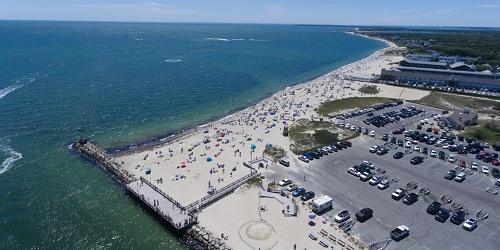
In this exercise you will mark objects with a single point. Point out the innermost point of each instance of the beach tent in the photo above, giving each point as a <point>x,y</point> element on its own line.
<point>147,170</point>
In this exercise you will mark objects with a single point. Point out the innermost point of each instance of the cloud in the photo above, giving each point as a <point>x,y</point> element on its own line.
<point>487,5</point>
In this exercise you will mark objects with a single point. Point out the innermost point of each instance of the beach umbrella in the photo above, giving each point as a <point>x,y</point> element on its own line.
<point>209,158</point>
<point>312,216</point>
<point>253,146</point>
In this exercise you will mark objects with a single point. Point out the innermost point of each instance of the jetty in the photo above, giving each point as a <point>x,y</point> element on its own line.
<point>180,217</point>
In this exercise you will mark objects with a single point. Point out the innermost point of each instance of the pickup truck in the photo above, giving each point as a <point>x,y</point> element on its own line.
<point>400,233</point>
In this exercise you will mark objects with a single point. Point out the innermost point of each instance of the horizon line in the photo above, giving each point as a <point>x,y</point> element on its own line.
<point>253,23</point>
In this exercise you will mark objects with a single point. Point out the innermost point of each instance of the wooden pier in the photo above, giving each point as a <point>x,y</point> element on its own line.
<point>178,216</point>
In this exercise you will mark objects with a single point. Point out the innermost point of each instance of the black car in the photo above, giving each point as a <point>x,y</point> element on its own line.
<point>417,160</point>
<point>450,174</point>
<point>410,198</point>
<point>364,214</point>
<point>425,151</point>
<point>442,215</point>
<point>433,208</point>
<point>442,155</point>
<point>382,151</point>
<point>398,155</point>
<point>458,217</point>
<point>307,196</point>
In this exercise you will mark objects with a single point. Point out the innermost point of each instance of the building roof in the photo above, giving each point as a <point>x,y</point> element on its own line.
<point>448,71</point>
<point>440,64</point>
<point>460,64</point>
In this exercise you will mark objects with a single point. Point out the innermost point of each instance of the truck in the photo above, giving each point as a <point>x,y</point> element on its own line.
<point>322,204</point>
<point>400,233</point>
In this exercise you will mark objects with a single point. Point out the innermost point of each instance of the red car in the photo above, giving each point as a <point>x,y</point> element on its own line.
<point>496,162</point>
<point>462,164</point>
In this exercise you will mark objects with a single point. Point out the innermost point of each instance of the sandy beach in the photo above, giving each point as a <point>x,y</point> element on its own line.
<point>212,156</point>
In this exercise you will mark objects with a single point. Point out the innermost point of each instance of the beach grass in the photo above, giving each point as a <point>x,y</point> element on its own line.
<point>451,101</point>
<point>308,135</point>
<point>276,153</point>
<point>486,130</point>
<point>331,107</point>
<point>369,89</point>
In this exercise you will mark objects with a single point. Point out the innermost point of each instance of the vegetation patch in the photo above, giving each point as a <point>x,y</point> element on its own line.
<point>450,102</point>
<point>309,135</point>
<point>335,106</point>
<point>369,89</point>
<point>486,130</point>
<point>274,152</point>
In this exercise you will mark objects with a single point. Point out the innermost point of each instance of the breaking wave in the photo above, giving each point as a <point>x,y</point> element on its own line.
<point>12,156</point>
<point>9,89</point>
<point>173,60</point>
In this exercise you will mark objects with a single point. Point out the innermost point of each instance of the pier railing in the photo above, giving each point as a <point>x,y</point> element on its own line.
<point>155,188</point>
<point>220,192</point>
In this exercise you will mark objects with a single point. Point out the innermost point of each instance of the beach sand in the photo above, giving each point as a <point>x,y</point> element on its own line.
<point>214,155</point>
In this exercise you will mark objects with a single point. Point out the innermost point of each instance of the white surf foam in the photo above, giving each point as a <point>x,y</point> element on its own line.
<point>9,89</point>
<point>217,39</point>
<point>173,60</point>
<point>12,156</point>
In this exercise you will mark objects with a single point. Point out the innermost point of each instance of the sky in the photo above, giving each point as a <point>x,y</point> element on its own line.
<point>471,13</point>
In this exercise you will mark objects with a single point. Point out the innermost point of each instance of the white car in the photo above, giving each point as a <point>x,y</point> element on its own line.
<point>452,159</point>
<point>433,153</point>
<point>408,144</point>
<point>474,166</point>
<point>398,193</point>
<point>446,146</point>
<point>383,184</point>
<point>373,149</point>
<point>372,133</point>
<point>285,182</point>
<point>416,148</point>
<point>485,170</point>
<point>354,172</point>
<point>470,224</point>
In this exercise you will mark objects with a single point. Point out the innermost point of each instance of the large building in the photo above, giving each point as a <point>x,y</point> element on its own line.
<point>443,77</point>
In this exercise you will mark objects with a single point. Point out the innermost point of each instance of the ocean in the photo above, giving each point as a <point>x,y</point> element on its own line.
<point>124,83</point>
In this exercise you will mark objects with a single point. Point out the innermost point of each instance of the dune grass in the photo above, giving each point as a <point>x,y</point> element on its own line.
<point>332,107</point>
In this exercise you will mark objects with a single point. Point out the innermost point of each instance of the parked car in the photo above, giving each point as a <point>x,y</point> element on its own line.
<point>364,214</point>
<point>365,176</point>
<point>291,188</point>
<point>410,198</point>
<point>442,215</point>
<point>458,217</point>
<point>374,180</point>
<point>400,233</point>
<point>452,159</point>
<point>298,192</point>
<point>284,163</point>
<point>383,184</point>
<point>342,216</point>
<point>285,182</point>
<point>307,196</point>
<point>485,170</point>
<point>398,194</point>
<point>450,174</point>
<point>433,153</point>
<point>470,224</point>
<point>398,155</point>
<point>417,160</point>
<point>354,171</point>
<point>433,208</point>
<point>460,177</point>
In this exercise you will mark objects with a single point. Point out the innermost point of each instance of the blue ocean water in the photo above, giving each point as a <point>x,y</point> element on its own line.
<point>122,83</point>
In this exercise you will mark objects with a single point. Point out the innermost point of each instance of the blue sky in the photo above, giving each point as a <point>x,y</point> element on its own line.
<point>362,12</point>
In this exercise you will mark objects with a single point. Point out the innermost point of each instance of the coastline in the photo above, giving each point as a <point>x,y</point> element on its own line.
<point>167,137</point>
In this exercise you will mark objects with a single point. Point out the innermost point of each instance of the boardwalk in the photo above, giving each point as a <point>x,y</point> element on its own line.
<point>165,206</point>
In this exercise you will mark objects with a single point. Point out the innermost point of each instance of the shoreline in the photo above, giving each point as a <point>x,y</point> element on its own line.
<point>165,138</point>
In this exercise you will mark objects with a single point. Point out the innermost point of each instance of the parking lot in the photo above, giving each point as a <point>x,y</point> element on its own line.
<point>328,175</point>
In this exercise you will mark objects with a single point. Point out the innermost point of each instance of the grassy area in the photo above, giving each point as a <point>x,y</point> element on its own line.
<point>369,89</point>
<point>335,106</point>
<point>308,135</point>
<point>450,102</point>
<point>486,130</point>
<point>481,43</point>
<point>275,153</point>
